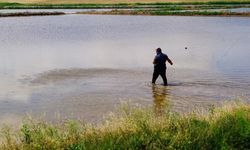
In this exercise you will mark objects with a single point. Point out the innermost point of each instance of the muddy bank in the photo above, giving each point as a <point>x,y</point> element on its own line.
<point>23,14</point>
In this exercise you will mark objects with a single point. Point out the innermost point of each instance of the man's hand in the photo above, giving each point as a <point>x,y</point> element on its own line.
<point>154,62</point>
<point>171,63</point>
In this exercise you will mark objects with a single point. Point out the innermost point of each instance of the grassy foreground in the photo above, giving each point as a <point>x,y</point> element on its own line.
<point>138,128</point>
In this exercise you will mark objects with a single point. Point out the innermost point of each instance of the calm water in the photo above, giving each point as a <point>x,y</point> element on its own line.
<point>82,66</point>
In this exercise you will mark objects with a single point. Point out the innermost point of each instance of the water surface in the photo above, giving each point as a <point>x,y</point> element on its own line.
<point>82,66</point>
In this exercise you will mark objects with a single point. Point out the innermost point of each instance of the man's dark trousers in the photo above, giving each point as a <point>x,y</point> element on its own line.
<point>162,73</point>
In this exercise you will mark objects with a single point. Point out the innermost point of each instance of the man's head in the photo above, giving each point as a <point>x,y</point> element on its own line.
<point>158,50</point>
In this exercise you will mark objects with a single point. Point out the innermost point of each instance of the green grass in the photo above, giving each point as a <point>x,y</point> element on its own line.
<point>200,13</point>
<point>168,12</point>
<point>140,128</point>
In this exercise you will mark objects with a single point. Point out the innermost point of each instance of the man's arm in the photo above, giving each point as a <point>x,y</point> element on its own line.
<point>169,61</point>
<point>154,61</point>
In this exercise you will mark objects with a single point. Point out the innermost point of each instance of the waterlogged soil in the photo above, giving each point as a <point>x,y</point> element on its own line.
<point>84,66</point>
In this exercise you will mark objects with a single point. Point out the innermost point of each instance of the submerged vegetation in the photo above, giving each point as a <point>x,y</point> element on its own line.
<point>139,128</point>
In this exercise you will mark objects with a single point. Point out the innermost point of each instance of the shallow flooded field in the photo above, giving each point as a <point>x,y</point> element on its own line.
<point>82,66</point>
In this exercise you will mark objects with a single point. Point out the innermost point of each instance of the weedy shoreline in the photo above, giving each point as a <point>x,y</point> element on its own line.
<point>226,127</point>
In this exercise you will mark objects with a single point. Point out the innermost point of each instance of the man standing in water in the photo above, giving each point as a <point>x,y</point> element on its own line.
<point>160,66</point>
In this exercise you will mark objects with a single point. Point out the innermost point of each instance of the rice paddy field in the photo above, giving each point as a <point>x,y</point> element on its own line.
<point>176,8</point>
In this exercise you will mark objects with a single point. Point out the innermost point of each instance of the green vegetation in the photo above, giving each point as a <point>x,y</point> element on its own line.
<point>114,1</point>
<point>176,8</point>
<point>201,13</point>
<point>140,128</point>
<point>168,13</point>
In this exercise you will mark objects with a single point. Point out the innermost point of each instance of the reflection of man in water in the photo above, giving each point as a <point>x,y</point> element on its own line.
<point>160,66</point>
<point>160,99</point>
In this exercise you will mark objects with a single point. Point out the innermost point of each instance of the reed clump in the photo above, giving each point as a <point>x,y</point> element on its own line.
<point>227,127</point>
